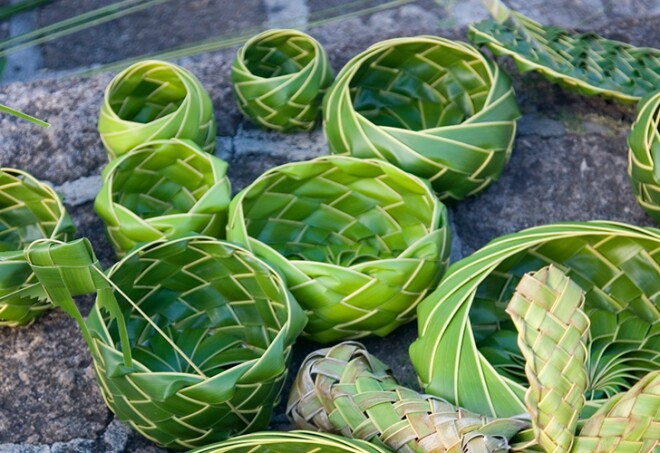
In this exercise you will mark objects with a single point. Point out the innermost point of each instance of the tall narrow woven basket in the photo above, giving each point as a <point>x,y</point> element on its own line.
<point>359,242</point>
<point>163,190</point>
<point>155,100</point>
<point>29,210</point>
<point>436,108</point>
<point>190,338</point>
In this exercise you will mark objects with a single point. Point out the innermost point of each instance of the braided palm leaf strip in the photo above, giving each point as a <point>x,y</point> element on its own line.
<point>190,338</point>
<point>163,190</point>
<point>467,352</point>
<point>547,311</point>
<point>360,242</point>
<point>29,210</point>
<point>155,100</point>
<point>436,108</point>
<point>582,62</point>
<point>644,155</point>
<point>279,78</point>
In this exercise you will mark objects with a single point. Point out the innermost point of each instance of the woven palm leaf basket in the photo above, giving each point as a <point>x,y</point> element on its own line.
<point>190,338</point>
<point>438,109</point>
<point>582,62</point>
<point>359,242</point>
<point>279,78</point>
<point>162,190</point>
<point>155,100</point>
<point>29,210</point>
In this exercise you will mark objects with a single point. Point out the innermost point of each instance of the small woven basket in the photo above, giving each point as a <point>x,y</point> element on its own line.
<point>190,338</point>
<point>163,190</point>
<point>155,100</point>
<point>29,210</point>
<point>438,109</point>
<point>279,78</point>
<point>360,242</point>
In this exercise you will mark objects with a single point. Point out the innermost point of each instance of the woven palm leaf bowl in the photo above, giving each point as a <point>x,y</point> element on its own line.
<point>581,62</point>
<point>162,190</point>
<point>155,100</point>
<point>190,338</point>
<point>279,78</point>
<point>437,108</point>
<point>359,242</point>
<point>29,211</point>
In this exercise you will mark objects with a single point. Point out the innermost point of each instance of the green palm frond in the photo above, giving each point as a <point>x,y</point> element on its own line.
<point>23,116</point>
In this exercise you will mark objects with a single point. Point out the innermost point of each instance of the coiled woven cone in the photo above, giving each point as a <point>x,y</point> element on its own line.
<point>279,78</point>
<point>155,100</point>
<point>190,338</point>
<point>436,108</point>
<point>345,390</point>
<point>644,155</point>
<point>359,242</point>
<point>582,62</point>
<point>163,190</point>
<point>29,210</point>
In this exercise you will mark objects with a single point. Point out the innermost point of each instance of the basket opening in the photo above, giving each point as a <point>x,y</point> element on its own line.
<point>279,55</point>
<point>421,85</point>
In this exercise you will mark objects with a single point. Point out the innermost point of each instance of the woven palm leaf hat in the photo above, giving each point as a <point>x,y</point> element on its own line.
<point>29,210</point>
<point>155,100</point>
<point>436,108</point>
<point>359,241</point>
<point>163,189</point>
<point>279,78</point>
<point>190,338</point>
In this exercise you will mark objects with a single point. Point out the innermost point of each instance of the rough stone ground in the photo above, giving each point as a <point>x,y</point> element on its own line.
<point>569,163</point>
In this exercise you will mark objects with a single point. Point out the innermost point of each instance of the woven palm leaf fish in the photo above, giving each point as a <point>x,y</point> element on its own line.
<point>279,78</point>
<point>360,242</point>
<point>155,100</point>
<point>29,210</point>
<point>190,338</point>
<point>582,62</point>
<point>436,108</point>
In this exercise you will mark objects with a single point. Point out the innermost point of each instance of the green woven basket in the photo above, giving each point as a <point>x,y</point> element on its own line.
<point>582,62</point>
<point>436,108</point>
<point>29,210</point>
<point>190,338</point>
<point>360,242</point>
<point>155,100</point>
<point>163,190</point>
<point>279,78</point>
<point>644,155</point>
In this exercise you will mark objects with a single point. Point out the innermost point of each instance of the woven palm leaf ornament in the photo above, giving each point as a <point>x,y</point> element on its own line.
<point>279,78</point>
<point>190,338</point>
<point>155,100</point>
<point>163,189</point>
<point>29,211</point>
<point>436,108</point>
<point>582,62</point>
<point>360,242</point>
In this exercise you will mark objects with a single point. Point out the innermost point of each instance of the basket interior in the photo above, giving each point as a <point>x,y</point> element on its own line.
<point>289,446</point>
<point>418,86</point>
<point>278,55</point>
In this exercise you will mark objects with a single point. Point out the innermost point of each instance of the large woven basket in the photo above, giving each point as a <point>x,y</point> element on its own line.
<point>359,242</point>
<point>163,190</point>
<point>279,78</point>
<point>29,210</point>
<point>436,108</point>
<point>155,100</point>
<point>190,338</point>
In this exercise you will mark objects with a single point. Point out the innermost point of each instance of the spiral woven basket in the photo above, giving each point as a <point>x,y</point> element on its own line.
<point>644,155</point>
<point>29,210</point>
<point>582,62</point>
<point>190,338</point>
<point>436,108</point>
<point>155,100</point>
<point>279,78</point>
<point>360,242</point>
<point>163,190</point>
